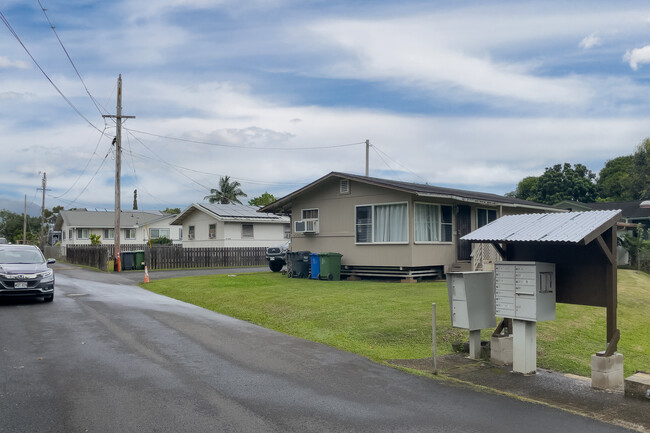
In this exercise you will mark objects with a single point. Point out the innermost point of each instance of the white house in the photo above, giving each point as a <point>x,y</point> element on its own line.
<point>136,226</point>
<point>230,225</point>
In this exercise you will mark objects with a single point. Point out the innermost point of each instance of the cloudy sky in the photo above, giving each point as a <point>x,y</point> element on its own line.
<point>277,93</point>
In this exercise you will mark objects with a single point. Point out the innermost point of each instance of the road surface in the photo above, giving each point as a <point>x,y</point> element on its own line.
<point>107,357</point>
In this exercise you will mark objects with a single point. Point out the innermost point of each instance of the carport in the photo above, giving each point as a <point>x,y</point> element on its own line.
<point>581,244</point>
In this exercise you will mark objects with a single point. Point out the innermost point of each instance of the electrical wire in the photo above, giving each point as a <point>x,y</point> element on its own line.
<point>377,150</point>
<point>187,140</point>
<point>94,101</point>
<point>15,35</point>
<point>93,177</point>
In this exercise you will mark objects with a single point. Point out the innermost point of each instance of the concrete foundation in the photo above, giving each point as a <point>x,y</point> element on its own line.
<point>501,350</point>
<point>638,386</point>
<point>607,371</point>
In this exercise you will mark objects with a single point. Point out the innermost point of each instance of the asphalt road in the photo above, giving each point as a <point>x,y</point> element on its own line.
<point>110,357</point>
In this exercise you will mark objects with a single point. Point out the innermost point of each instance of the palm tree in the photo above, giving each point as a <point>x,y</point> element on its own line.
<point>228,192</point>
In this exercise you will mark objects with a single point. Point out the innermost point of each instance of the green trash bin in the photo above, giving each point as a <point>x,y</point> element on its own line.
<point>139,260</point>
<point>330,266</point>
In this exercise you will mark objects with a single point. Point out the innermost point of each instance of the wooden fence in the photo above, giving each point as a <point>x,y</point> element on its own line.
<point>170,256</point>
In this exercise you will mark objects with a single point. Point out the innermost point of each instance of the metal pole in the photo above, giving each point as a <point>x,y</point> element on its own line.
<point>25,222</point>
<point>367,157</point>
<point>434,339</point>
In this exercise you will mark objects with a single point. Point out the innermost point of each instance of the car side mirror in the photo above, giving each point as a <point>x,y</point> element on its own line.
<point>50,261</point>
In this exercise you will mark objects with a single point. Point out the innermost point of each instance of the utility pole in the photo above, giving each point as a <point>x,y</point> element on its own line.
<point>367,157</point>
<point>25,222</point>
<point>118,168</point>
<point>41,237</point>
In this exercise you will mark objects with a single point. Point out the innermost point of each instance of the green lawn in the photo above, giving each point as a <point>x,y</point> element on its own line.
<point>384,321</point>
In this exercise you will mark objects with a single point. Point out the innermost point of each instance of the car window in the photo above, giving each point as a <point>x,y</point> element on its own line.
<point>21,256</point>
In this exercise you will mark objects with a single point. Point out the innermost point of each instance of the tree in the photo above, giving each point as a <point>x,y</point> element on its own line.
<point>172,210</point>
<point>262,200</point>
<point>558,183</point>
<point>95,239</point>
<point>228,192</point>
<point>641,171</point>
<point>615,180</point>
<point>11,226</point>
<point>135,199</point>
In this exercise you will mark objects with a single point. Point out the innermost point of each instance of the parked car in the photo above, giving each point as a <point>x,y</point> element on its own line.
<point>24,272</point>
<point>277,256</point>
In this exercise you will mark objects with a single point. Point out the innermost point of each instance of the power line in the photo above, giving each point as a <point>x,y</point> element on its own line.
<point>70,59</point>
<point>13,32</point>
<point>187,140</point>
<point>374,146</point>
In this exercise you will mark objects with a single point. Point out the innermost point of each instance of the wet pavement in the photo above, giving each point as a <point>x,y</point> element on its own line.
<point>563,391</point>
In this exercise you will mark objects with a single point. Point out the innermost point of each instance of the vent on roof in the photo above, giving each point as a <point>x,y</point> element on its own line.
<point>344,186</point>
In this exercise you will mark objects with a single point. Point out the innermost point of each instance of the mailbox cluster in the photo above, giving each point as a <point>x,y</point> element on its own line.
<point>525,290</point>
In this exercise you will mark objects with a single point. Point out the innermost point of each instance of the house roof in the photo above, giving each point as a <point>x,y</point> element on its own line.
<point>283,204</point>
<point>230,212</point>
<point>106,219</point>
<point>570,227</point>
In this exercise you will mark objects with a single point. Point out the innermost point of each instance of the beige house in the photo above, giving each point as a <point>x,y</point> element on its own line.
<point>230,225</point>
<point>384,227</point>
<point>136,226</point>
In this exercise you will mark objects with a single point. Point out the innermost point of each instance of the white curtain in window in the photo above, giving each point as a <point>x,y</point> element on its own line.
<point>390,223</point>
<point>427,221</point>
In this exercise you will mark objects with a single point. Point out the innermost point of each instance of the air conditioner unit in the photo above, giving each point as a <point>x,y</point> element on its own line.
<point>306,226</point>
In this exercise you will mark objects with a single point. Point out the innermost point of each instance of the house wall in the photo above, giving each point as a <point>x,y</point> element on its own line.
<point>337,226</point>
<point>175,232</point>
<point>229,234</point>
<point>139,236</point>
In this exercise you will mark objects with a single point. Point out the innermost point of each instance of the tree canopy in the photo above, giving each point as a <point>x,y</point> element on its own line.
<point>625,178</point>
<point>558,183</point>
<point>228,192</point>
<point>11,227</point>
<point>262,200</point>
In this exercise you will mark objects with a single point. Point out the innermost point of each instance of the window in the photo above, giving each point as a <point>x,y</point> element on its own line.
<point>385,223</point>
<point>129,234</point>
<point>63,234</point>
<point>247,231</point>
<point>190,233</point>
<point>109,233</point>
<point>212,231</point>
<point>70,234</point>
<point>433,223</point>
<point>158,233</point>
<point>485,216</point>
<point>310,214</point>
<point>83,234</point>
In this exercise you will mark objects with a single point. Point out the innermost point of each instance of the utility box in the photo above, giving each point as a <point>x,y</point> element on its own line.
<point>525,290</point>
<point>471,300</point>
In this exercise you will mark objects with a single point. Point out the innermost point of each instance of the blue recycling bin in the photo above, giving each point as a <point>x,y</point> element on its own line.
<point>315,266</point>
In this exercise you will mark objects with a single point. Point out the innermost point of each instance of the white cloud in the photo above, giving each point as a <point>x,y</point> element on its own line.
<point>7,63</point>
<point>589,41</point>
<point>413,53</point>
<point>637,56</point>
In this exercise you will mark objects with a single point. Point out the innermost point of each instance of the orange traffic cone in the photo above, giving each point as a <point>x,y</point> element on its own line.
<point>146,275</point>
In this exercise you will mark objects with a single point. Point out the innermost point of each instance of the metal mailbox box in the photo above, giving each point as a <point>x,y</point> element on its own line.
<point>525,290</point>
<point>471,300</point>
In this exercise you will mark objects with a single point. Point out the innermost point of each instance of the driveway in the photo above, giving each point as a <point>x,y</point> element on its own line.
<point>108,356</point>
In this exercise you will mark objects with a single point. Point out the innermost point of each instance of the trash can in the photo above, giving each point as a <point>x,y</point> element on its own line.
<point>315,265</point>
<point>330,266</point>
<point>139,260</point>
<point>298,264</point>
<point>128,260</point>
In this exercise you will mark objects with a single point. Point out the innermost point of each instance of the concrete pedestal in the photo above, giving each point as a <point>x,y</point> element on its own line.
<point>607,371</point>
<point>638,385</point>
<point>475,344</point>
<point>524,350</point>
<point>501,350</point>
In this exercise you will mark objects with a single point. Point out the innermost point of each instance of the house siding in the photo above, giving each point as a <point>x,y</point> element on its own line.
<point>337,226</point>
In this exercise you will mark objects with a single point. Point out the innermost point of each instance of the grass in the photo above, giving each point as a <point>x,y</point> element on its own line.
<point>384,321</point>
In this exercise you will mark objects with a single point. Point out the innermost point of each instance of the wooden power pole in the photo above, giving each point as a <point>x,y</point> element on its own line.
<point>42,233</point>
<point>118,168</point>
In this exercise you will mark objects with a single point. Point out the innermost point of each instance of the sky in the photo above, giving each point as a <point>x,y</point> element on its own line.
<point>277,93</point>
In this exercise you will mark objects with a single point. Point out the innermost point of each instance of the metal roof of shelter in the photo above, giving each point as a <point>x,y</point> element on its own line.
<point>571,227</point>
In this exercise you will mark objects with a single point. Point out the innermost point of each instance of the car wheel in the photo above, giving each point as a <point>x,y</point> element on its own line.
<point>275,266</point>
<point>49,298</point>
